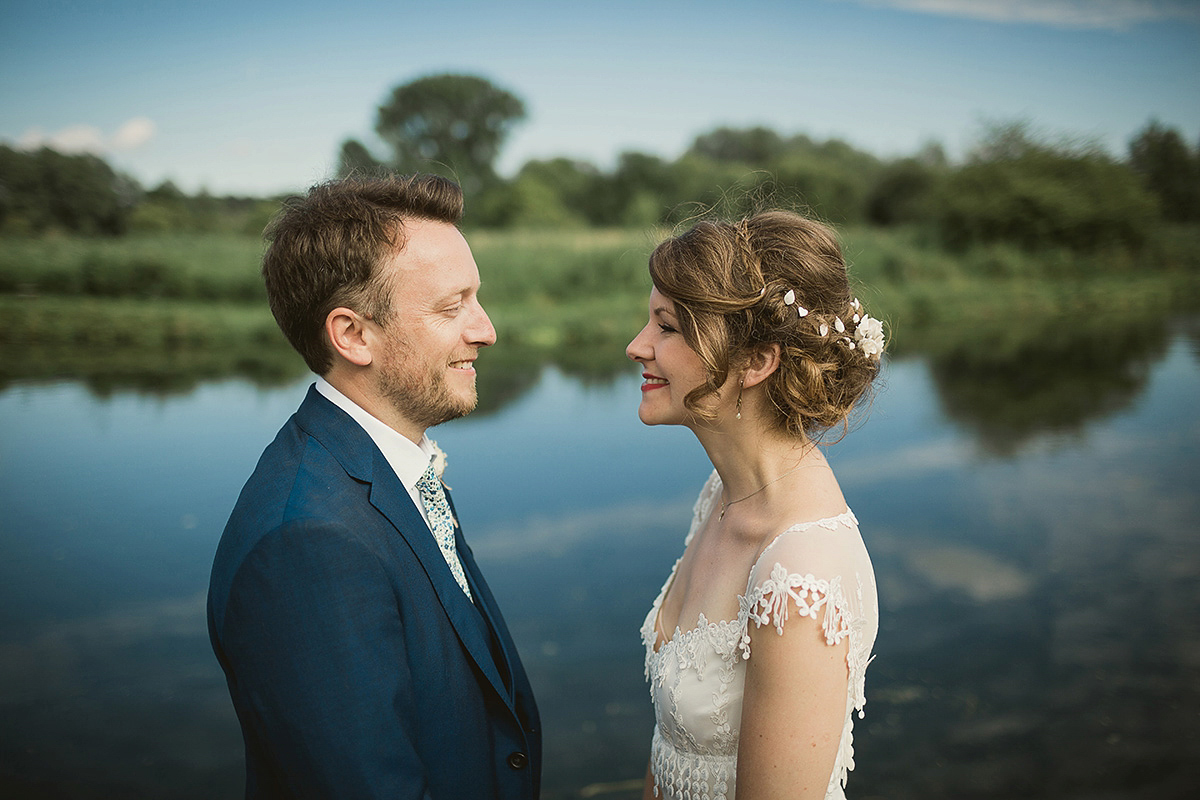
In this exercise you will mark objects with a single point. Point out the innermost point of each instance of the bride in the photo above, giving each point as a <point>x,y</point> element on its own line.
<point>758,644</point>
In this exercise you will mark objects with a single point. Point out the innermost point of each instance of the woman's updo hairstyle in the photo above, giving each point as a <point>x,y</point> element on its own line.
<point>775,277</point>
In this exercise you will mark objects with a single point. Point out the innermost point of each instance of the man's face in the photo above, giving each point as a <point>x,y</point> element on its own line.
<point>426,365</point>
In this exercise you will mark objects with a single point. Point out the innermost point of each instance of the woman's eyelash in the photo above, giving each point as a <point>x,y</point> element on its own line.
<point>665,328</point>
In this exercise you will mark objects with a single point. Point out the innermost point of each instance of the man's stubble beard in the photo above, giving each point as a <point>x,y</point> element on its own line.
<point>419,392</point>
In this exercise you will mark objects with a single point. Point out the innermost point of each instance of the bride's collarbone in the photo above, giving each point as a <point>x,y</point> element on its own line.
<point>709,580</point>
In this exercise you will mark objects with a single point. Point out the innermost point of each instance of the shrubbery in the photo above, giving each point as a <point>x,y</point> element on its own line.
<point>1036,195</point>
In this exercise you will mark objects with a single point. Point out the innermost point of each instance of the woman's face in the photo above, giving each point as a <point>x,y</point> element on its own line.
<point>670,367</point>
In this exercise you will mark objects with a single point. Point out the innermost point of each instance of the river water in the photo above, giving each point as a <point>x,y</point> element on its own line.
<point>1039,575</point>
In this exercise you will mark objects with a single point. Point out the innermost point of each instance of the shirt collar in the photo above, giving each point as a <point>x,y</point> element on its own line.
<point>408,460</point>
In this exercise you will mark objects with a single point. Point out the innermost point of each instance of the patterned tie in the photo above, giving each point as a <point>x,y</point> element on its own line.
<point>441,521</point>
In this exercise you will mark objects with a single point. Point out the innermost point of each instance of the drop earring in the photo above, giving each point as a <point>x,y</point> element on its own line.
<point>741,384</point>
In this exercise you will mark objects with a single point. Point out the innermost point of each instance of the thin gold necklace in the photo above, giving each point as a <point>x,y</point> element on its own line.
<point>725,506</point>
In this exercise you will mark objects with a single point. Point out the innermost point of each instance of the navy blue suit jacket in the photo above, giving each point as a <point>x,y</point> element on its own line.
<point>357,666</point>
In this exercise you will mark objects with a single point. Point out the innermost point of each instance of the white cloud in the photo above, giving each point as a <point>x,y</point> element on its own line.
<point>133,134</point>
<point>72,139</point>
<point>1107,14</point>
<point>90,139</point>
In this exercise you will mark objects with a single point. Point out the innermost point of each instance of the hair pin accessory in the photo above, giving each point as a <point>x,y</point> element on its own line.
<point>789,299</point>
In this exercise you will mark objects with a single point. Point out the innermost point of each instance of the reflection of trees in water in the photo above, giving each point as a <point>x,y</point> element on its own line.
<point>1192,331</point>
<point>1025,380</point>
<point>508,372</point>
<point>1007,387</point>
<point>155,371</point>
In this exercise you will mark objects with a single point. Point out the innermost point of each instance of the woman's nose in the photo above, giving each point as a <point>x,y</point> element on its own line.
<point>637,349</point>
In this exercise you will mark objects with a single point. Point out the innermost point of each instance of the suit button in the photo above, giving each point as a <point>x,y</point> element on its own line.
<point>518,760</point>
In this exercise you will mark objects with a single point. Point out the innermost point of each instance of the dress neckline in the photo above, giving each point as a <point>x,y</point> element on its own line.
<point>844,519</point>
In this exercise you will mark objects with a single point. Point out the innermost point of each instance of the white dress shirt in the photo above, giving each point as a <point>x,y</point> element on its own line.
<point>408,460</point>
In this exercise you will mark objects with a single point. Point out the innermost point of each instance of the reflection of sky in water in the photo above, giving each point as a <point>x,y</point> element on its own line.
<point>1000,577</point>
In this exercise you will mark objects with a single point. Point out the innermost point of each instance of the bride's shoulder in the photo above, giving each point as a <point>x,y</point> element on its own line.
<point>820,546</point>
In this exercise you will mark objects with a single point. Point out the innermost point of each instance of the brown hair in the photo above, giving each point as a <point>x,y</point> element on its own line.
<point>325,248</point>
<point>730,283</point>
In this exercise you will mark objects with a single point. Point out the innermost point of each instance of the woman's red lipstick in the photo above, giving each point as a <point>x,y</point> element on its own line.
<point>648,384</point>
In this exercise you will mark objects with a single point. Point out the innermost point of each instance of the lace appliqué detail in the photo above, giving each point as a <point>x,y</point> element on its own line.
<point>687,775</point>
<point>769,600</point>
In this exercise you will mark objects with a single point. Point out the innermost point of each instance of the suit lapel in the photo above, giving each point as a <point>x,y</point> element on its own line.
<point>488,609</point>
<point>363,461</point>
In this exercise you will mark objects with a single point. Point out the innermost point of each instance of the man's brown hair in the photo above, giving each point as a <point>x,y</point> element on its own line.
<point>325,248</point>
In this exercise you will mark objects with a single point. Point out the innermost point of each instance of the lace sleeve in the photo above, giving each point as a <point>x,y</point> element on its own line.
<point>805,571</point>
<point>768,603</point>
<point>784,583</point>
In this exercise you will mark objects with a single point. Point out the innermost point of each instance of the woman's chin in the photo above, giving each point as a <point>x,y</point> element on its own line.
<point>647,415</point>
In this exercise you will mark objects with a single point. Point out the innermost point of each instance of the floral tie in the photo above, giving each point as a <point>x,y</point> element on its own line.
<point>441,521</point>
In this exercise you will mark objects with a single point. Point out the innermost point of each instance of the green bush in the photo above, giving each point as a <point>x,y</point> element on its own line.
<point>1036,196</point>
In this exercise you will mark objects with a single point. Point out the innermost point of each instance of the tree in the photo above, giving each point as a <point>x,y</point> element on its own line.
<point>453,125</point>
<point>756,147</point>
<point>46,189</point>
<point>903,193</point>
<point>356,159</point>
<point>1169,169</point>
<point>1021,189</point>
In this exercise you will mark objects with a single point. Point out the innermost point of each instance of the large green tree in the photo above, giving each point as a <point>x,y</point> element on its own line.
<point>1169,169</point>
<point>43,189</point>
<point>453,125</point>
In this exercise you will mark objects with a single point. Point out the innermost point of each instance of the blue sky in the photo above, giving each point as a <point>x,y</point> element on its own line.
<point>256,97</point>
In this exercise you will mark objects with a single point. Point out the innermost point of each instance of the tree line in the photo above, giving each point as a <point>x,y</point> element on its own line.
<point>1014,186</point>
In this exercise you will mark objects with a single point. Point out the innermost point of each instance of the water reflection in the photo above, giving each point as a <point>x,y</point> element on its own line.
<point>1018,381</point>
<point>1037,631</point>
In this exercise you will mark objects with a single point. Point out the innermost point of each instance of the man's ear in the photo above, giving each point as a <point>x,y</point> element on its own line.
<point>348,335</point>
<point>761,363</point>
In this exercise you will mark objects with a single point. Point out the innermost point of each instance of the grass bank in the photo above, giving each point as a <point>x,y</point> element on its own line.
<point>173,304</point>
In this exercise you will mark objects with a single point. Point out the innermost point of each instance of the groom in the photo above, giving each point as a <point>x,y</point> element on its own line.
<point>364,652</point>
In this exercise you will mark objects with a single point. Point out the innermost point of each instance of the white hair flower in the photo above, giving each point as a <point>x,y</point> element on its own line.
<point>869,334</point>
<point>790,297</point>
<point>838,325</point>
<point>824,329</point>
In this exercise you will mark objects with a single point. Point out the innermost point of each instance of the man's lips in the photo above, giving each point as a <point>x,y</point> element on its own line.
<point>466,365</point>
<point>652,382</point>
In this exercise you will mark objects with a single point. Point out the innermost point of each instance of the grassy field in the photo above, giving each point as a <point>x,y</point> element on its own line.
<point>194,304</point>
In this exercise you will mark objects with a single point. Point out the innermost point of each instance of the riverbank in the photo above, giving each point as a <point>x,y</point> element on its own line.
<point>168,310</point>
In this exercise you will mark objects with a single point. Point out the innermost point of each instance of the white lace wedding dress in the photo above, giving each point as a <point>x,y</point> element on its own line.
<point>697,677</point>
